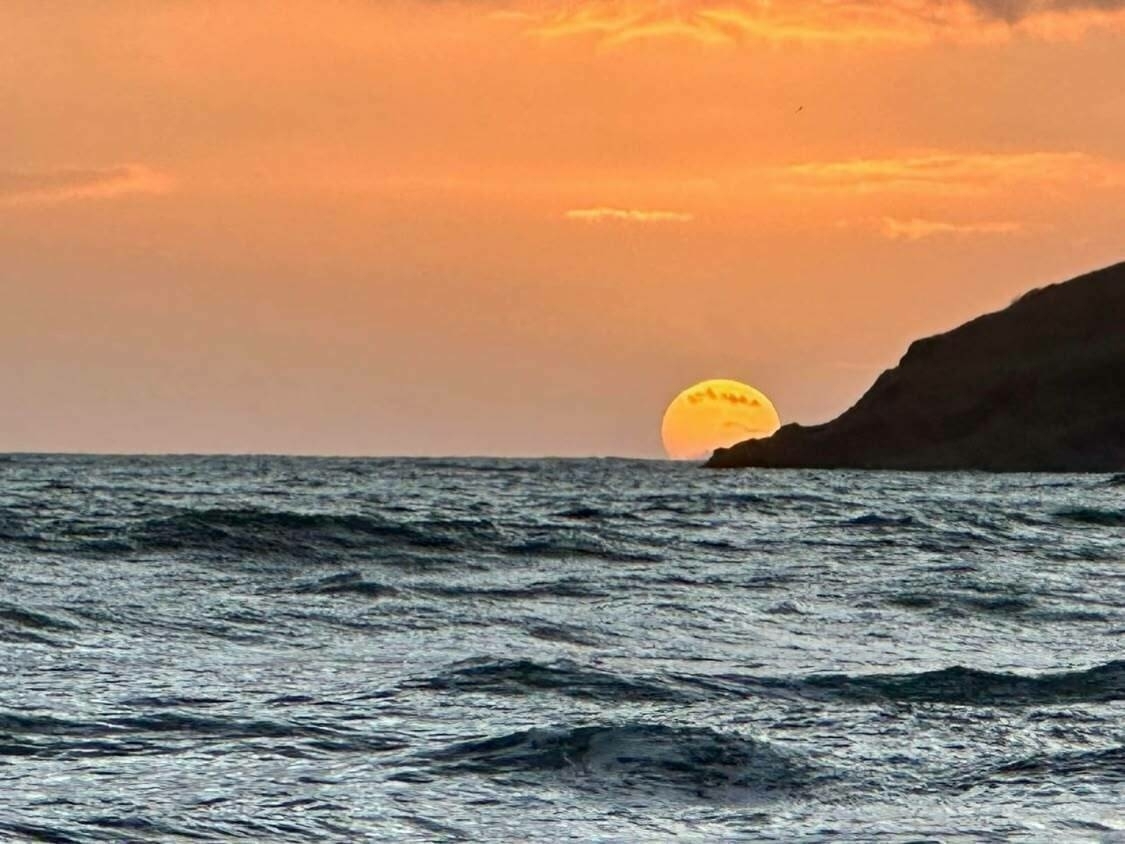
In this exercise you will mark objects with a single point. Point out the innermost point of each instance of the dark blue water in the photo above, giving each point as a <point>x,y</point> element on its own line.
<point>272,649</point>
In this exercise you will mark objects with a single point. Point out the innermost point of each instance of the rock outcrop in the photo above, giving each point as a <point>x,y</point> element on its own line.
<point>1036,387</point>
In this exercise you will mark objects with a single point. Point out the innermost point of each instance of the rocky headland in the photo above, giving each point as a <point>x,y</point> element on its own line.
<point>1036,387</point>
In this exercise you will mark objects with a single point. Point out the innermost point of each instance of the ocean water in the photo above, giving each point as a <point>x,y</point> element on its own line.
<point>275,649</point>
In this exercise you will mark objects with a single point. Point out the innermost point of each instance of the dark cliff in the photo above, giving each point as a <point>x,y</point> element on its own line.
<point>1039,386</point>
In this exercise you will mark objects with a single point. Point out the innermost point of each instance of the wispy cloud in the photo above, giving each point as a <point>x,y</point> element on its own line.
<point>1014,10</point>
<point>55,186</point>
<point>616,22</point>
<point>917,229</point>
<point>711,394</point>
<point>627,215</point>
<point>945,173</point>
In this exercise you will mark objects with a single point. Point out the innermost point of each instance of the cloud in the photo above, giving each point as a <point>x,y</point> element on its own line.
<point>739,398</point>
<point>707,21</point>
<point>917,229</point>
<point>731,398</point>
<point>55,186</point>
<point>749,430</point>
<point>1015,10</point>
<point>627,215</point>
<point>617,22</point>
<point>947,173</point>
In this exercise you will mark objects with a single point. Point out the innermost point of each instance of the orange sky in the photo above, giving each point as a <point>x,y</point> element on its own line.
<point>440,227</point>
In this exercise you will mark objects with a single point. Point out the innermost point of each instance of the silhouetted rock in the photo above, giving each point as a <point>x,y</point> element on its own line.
<point>1038,386</point>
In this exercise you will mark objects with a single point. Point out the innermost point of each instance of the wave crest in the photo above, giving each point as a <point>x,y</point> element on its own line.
<point>522,676</point>
<point>18,624</point>
<point>956,685</point>
<point>312,534</point>
<point>1092,516</point>
<point>1103,766</point>
<point>631,755</point>
<point>970,686</point>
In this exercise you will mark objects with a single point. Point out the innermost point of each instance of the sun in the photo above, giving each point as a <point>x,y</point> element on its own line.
<point>715,414</point>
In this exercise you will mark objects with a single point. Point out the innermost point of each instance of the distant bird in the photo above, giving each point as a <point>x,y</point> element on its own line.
<point>799,109</point>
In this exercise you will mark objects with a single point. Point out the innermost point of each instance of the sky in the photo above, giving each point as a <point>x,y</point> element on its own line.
<point>431,227</point>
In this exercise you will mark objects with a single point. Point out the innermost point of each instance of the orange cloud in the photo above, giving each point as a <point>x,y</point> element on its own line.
<point>705,21</point>
<point>47,187</point>
<point>615,22</point>
<point>944,173</point>
<point>627,215</point>
<point>917,229</point>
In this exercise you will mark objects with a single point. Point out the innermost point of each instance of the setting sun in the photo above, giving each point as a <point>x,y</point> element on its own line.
<point>715,414</point>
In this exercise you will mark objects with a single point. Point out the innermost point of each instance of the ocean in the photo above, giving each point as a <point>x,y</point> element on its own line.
<point>305,650</point>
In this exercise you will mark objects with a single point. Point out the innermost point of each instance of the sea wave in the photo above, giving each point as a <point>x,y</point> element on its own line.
<point>955,685</point>
<point>564,544</point>
<point>1102,765</point>
<point>633,755</point>
<point>877,520</point>
<point>1024,607</point>
<point>565,677</point>
<point>348,583</point>
<point>18,624</point>
<point>547,589</point>
<point>326,536</point>
<point>958,603</point>
<point>49,736</point>
<point>319,534</point>
<point>1092,516</point>
<point>12,527</point>
<point>970,686</point>
<point>571,634</point>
